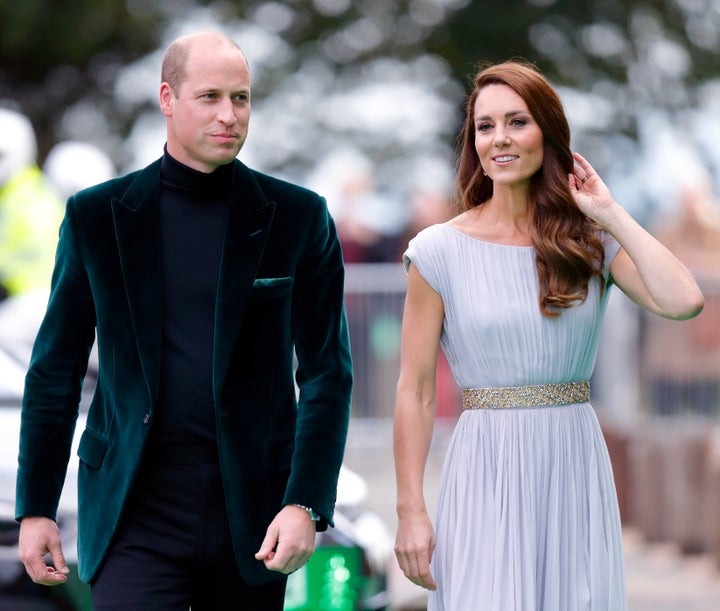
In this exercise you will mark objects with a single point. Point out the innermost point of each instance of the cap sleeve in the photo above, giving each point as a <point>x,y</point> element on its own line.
<point>611,246</point>
<point>424,253</point>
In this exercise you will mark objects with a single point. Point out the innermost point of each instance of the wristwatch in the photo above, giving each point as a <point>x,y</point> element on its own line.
<point>313,516</point>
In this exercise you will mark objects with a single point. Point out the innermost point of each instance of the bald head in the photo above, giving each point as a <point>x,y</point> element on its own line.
<point>174,65</point>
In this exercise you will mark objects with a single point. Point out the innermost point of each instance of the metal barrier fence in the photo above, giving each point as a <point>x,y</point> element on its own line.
<point>374,299</point>
<point>647,366</point>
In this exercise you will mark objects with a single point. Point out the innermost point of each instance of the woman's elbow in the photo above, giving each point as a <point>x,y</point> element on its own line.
<point>690,307</point>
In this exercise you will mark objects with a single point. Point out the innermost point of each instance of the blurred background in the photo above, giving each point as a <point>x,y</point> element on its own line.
<point>361,100</point>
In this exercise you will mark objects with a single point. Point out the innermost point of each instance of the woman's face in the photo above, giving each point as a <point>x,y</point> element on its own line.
<point>508,140</point>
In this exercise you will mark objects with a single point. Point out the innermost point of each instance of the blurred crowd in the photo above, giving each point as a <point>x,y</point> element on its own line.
<point>681,365</point>
<point>677,365</point>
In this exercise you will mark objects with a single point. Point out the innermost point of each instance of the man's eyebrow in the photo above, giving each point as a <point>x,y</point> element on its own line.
<point>216,89</point>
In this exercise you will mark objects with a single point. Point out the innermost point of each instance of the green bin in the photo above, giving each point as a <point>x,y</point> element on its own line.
<point>331,581</point>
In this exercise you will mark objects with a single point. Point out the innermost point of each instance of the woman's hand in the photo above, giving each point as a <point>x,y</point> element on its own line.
<point>643,268</point>
<point>589,191</point>
<point>414,546</point>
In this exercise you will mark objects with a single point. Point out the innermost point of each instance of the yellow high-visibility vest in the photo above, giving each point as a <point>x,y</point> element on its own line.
<point>30,215</point>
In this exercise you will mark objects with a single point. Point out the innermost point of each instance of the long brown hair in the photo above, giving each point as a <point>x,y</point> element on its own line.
<point>568,250</point>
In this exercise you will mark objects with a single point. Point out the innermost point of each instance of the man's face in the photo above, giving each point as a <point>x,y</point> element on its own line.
<point>208,114</point>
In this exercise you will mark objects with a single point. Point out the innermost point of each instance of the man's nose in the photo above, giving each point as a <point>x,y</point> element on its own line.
<point>226,112</point>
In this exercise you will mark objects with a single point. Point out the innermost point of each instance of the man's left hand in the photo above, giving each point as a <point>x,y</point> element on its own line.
<point>289,541</point>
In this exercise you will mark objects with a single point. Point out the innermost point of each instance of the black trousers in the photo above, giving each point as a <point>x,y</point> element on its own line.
<point>173,550</point>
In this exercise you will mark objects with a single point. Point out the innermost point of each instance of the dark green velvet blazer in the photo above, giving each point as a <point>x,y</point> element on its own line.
<point>280,296</point>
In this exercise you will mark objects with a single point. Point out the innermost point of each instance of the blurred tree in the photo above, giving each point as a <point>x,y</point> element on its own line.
<point>329,73</point>
<point>65,67</point>
<point>639,79</point>
<point>61,66</point>
<point>54,54</point>
<point>648,52</point>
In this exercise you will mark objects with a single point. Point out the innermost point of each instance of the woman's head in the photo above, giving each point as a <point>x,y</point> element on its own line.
<point>568,250</point>
<point>544,105</point>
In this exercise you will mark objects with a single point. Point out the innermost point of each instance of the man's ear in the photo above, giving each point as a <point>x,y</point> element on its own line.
<point>166,97</point>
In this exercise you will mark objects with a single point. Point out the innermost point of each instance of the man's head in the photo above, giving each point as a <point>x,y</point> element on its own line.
<point>205,97</point>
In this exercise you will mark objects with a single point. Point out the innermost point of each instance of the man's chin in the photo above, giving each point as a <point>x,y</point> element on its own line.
<point>224,158</point>
<point>227,155</point>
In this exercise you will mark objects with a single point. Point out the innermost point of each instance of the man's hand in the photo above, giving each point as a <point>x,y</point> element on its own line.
<point>289,541</point>
<point>38,537</point>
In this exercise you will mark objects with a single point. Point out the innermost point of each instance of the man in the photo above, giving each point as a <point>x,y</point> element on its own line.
<point>202,481</point>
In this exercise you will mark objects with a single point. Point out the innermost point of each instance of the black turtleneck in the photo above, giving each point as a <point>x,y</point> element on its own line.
<point>193,217</point>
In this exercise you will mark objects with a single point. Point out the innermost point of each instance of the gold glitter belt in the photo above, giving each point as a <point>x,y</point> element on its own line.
<point>564,393</point>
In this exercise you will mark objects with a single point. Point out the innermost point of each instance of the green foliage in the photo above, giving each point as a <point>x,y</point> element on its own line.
<point>577,42</point>
<point>53,54</point>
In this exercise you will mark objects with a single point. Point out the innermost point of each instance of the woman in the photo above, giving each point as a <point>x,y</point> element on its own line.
<point>514,289</point>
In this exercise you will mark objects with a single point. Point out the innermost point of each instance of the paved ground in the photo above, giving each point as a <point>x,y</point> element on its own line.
<point>659,577</point>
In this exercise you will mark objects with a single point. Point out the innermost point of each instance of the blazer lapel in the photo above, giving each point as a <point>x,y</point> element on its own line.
<point>249,219</point>
<point>137,230</point>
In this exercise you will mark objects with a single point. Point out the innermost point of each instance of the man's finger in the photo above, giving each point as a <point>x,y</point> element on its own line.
<point>287,564</point>
<point>268,546</point>
<point>45,575</point>
<point>53,577</point>
<point>58,559</point>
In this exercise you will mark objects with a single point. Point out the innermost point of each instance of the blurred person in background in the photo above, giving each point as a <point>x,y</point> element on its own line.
<point>681,362</point>
<point>514,289</point>
<point>72,165</point>
<point>30,210</point>
<point>371,223</point>
<point>202,479</point>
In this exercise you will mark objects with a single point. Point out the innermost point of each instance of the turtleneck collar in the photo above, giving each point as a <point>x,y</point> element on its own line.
<point>179,176</point>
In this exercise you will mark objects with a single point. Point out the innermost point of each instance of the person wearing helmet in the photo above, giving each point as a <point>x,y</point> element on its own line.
<point>30,210</point>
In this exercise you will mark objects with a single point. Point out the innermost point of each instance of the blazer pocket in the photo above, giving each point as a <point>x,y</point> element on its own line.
<point>268,282</point>
<point>92,449</point>
<point>270,288</point>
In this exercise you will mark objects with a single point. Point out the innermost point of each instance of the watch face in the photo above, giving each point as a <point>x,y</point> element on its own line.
<point>313,516</point>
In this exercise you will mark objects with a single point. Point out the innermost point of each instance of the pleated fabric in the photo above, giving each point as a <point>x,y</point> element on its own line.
<point>527,515</point>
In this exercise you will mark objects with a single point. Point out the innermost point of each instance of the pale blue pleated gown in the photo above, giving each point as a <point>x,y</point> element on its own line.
<point>527,515</point>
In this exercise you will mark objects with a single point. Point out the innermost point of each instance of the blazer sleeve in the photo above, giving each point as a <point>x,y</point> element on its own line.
<point>324,370</point>
<point>53,383</point>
